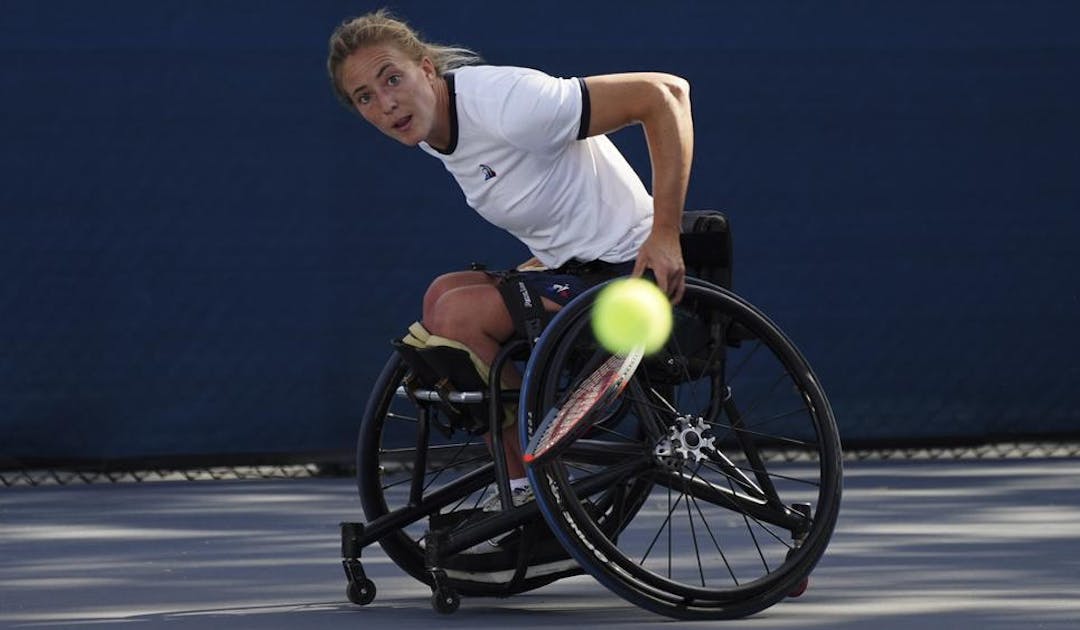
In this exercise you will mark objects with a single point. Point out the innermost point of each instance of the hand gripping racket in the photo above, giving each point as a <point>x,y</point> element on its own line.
<point>585,404</point>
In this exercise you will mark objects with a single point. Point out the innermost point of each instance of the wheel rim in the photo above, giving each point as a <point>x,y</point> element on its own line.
<point>730,560</point>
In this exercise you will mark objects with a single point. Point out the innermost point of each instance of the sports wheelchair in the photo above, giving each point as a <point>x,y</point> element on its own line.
<point>708,490</point>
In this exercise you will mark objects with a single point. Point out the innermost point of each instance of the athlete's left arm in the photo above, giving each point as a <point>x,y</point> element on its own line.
<point>661,104</point>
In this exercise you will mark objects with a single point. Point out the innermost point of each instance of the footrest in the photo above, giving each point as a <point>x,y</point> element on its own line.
<point>428,378</point>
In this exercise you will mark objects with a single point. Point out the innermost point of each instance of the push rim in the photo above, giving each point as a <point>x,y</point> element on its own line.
<point>732,587</point>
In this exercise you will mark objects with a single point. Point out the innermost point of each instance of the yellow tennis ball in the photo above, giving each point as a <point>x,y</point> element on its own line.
<point>629,312</point>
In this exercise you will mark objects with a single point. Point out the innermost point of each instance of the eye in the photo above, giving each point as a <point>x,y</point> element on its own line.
<point>393,80</point>
<point>363,99</point>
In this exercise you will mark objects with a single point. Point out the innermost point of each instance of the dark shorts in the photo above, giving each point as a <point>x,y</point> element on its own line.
<point>569,281</point>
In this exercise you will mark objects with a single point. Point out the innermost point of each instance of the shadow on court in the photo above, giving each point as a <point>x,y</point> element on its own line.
<point>920,544</point>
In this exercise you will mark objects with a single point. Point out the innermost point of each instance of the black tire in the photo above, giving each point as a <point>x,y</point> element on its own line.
<point>361,592</point>
<point>445,601</point>
<point>729,374</point>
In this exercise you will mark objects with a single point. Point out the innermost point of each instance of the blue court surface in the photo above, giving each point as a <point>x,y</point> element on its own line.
<point>921,543</point>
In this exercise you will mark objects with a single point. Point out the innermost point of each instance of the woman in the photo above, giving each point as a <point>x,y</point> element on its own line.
<point>530,154</point>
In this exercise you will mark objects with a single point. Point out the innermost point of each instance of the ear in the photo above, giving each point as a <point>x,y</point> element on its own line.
<point>428,68</point>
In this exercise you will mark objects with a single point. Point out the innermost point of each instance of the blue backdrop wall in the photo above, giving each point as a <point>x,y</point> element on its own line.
<point>202,253</point>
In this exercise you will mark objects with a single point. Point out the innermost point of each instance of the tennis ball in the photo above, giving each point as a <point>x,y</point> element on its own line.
<point>629,312</point>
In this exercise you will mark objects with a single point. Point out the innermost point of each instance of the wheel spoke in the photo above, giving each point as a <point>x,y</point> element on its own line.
<point>753,537</point>
<point>778,438</point>
<point>713,537</point>
<point>747,516</point>
<point>728,429</point>
<point>749,410</point>
<point>451,463</point>
<point>693,537</point>
<point>409,479</point>
<point>665,523</point>
<point>777,475</point>
<point>762,511</point>
<point>734,373</point>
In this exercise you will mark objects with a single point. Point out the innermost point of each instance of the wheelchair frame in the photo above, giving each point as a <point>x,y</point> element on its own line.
<point>581,527</point>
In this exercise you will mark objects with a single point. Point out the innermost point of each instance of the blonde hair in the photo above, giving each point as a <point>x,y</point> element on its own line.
<point>382,27</point>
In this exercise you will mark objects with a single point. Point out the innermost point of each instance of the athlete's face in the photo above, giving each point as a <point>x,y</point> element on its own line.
<point>393,92</point>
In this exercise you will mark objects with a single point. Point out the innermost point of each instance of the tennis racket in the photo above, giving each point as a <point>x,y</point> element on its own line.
<point>585,404</point>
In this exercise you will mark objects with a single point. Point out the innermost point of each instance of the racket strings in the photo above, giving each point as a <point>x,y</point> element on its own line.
<point>607,380</point>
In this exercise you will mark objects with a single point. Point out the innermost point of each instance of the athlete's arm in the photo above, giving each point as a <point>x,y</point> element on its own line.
<point>661,104</point>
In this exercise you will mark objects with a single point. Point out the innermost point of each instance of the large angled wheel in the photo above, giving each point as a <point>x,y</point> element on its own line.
<point>731,434</point>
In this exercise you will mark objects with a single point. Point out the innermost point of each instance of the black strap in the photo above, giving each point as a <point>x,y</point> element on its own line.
<point>525,306</point>
<point>526,309</point>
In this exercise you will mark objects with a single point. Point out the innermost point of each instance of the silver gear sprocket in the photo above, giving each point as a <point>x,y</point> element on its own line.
<point>685,441</point>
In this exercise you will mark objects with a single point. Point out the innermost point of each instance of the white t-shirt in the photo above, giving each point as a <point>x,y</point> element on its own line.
<point>517,153</point>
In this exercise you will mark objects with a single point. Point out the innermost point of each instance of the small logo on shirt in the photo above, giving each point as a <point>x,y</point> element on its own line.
<point>488,171</point>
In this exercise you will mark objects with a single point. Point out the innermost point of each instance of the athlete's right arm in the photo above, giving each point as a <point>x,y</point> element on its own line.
<point>661,103</point>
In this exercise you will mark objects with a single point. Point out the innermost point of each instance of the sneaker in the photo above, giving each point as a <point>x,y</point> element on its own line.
<point>520,496</point>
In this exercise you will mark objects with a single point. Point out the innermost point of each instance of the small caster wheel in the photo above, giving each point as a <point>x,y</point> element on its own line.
<point>361,592</point>
<point>445,600</point>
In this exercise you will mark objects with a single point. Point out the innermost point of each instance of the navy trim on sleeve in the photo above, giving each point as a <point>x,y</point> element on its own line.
<point>586,110</point>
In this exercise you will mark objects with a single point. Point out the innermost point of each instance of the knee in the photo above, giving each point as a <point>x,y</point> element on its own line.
<point>464,312</point>
<point>435,290</point>
<point>441,286</point>
<point>448,315</point>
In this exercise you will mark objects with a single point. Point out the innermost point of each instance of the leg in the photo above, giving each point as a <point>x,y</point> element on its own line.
<point>473,313</point>
<point>466,307</point>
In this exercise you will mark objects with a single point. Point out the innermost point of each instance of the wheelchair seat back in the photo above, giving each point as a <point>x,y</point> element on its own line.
<point>706,245</point>
<point>707,253</point>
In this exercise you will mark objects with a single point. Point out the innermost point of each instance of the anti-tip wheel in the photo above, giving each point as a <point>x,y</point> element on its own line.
<point>800,588</point>
<point>445,600</point>
<point>361,592</point>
